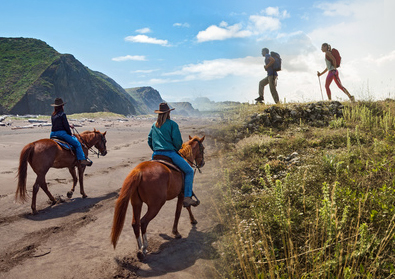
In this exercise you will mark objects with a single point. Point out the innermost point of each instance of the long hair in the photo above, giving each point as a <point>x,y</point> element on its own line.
<point>162,117</point>
<point>57,109</point>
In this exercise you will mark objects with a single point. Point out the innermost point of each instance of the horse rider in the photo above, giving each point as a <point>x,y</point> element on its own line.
<point>165,139</point>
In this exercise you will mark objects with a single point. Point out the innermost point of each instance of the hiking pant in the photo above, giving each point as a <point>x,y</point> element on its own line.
<point>183,165</point>
<point>72,140</point>
<point>271,80</point>
<point>333,75</point>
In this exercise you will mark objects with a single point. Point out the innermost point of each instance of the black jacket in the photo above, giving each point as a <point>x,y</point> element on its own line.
<point>59,122</point>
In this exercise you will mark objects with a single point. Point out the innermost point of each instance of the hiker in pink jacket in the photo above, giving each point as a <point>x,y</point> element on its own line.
<point>331,66</point>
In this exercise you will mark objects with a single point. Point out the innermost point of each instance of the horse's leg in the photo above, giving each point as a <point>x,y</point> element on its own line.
<point>191,217</point>
<point>137,205</point>
<point>151,213</point>
<point>81,170</point>
<point>36,187</point>
<point>44,186</point>
<point>177,216</point>
<point>75,180</point>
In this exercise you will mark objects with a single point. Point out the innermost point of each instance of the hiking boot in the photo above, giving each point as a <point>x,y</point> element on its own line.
<point>259,99</point>
<point>352,98</point>
<point>188,201</point>
<point>86,162</point>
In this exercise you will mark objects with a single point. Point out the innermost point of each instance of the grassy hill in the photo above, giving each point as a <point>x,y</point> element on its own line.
<point>303,201</point>
<point>33,74</point>
<point>22,62</point>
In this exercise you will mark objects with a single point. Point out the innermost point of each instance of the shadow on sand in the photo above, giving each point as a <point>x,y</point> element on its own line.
<point>176,255</point>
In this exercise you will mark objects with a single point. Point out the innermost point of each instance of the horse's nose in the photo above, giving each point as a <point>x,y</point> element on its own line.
<point>104,153</point>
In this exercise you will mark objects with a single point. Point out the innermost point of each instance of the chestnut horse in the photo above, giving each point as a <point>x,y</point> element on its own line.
<point>45,154</point>
<point>154,183</point>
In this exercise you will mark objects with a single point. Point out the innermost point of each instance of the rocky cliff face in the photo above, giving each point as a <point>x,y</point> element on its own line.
<point>147,98</point>
<point>83,90</point>
<point>61,76</point>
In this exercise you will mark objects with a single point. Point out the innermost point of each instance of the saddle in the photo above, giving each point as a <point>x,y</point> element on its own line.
<point>65,145</point>
<point>166,161</point>
<point>169,163</point>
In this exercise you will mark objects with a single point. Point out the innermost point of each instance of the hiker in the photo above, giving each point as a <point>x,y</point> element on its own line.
<point>61,129</point>
<point>165,139</point>
<point>271,78</point>
<point>331,66</point>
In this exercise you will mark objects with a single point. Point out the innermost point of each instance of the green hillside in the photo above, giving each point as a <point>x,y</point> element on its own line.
<point>306,197</point>
<point>22,62</point>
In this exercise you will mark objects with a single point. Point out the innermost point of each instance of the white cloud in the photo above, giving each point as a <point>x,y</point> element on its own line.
<point>147,40</point>
<point>261,24</point>
<point>129,57</point>
<point>222,32</point>
<point>257,24</point>
<point>144,71</point>
<point>220,68</point>
<point>144,30</point>
<point>185,24</point>
<point>336,8</point>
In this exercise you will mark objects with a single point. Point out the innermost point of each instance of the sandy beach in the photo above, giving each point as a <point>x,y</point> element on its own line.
<point>72,238</point>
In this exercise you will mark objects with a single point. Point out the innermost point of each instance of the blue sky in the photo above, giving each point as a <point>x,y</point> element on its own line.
<point>188,49</point>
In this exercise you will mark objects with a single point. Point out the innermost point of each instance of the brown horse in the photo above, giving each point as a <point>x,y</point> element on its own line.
<point>45,154</point>
<point>153,183</point>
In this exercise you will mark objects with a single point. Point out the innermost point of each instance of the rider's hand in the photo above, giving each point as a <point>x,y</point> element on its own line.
<point>72,126</point>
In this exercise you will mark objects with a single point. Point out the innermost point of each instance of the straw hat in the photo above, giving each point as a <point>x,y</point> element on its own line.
<point>58,102</point>
<point>163,108</point>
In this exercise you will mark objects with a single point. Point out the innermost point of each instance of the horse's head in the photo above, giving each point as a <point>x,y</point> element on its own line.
<point>197,150</point>
<point>100,142</point>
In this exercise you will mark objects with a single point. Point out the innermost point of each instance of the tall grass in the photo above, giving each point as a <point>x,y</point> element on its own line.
<point>331,216</point>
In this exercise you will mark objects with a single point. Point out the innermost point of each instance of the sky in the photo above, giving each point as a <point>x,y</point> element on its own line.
<point>187,49</point>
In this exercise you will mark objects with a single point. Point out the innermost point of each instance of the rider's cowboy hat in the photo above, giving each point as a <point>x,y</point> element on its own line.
<point>58,102</point>
<point>163,108</point>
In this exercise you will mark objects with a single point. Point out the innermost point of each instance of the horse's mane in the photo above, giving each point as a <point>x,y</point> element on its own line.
<point>186,148</point>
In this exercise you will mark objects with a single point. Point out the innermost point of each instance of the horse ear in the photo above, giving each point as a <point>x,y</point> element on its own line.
<point>202,139</point>
<point>94,130</point>
<point>104,133</point>
<point>190,137</point>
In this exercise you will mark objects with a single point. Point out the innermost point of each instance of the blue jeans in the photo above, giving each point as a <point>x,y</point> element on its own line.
<point>72,140</point>
<point>183,165</point>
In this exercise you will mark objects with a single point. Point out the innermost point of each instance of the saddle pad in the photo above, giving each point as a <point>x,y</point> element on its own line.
<point>63,144</point>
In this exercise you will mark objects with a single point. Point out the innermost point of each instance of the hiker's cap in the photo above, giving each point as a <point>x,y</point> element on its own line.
<point>163,108</point>
<point>58,102</point>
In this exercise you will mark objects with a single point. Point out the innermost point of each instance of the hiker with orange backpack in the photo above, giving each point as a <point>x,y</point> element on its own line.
<point>332,60</point>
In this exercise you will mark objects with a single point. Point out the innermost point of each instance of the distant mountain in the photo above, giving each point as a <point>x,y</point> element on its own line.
<point>184,108</point>
<point>33,74</point>
<point>147,98</point>
<point>205,104</point>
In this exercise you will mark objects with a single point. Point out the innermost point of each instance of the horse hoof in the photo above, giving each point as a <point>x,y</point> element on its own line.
<point>84,196</point>
<point>194,222</point>
<point>140,255</point>
<point>177,235</point>
<point>70,194</point>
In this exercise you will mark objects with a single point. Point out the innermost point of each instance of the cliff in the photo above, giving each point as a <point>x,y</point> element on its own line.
<point>33,74</point>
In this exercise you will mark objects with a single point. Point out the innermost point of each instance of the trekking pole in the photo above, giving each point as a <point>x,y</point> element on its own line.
<point>319,80</point>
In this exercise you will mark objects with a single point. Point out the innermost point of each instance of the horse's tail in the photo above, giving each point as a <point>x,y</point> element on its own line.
<point>21,193</point>
<point>128,188</point>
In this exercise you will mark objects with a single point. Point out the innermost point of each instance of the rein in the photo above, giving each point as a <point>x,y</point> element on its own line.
<point>83,142</point>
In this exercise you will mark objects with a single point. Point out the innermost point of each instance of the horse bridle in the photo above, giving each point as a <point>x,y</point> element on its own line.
<point>103,139</point>
<point>201,149</point>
